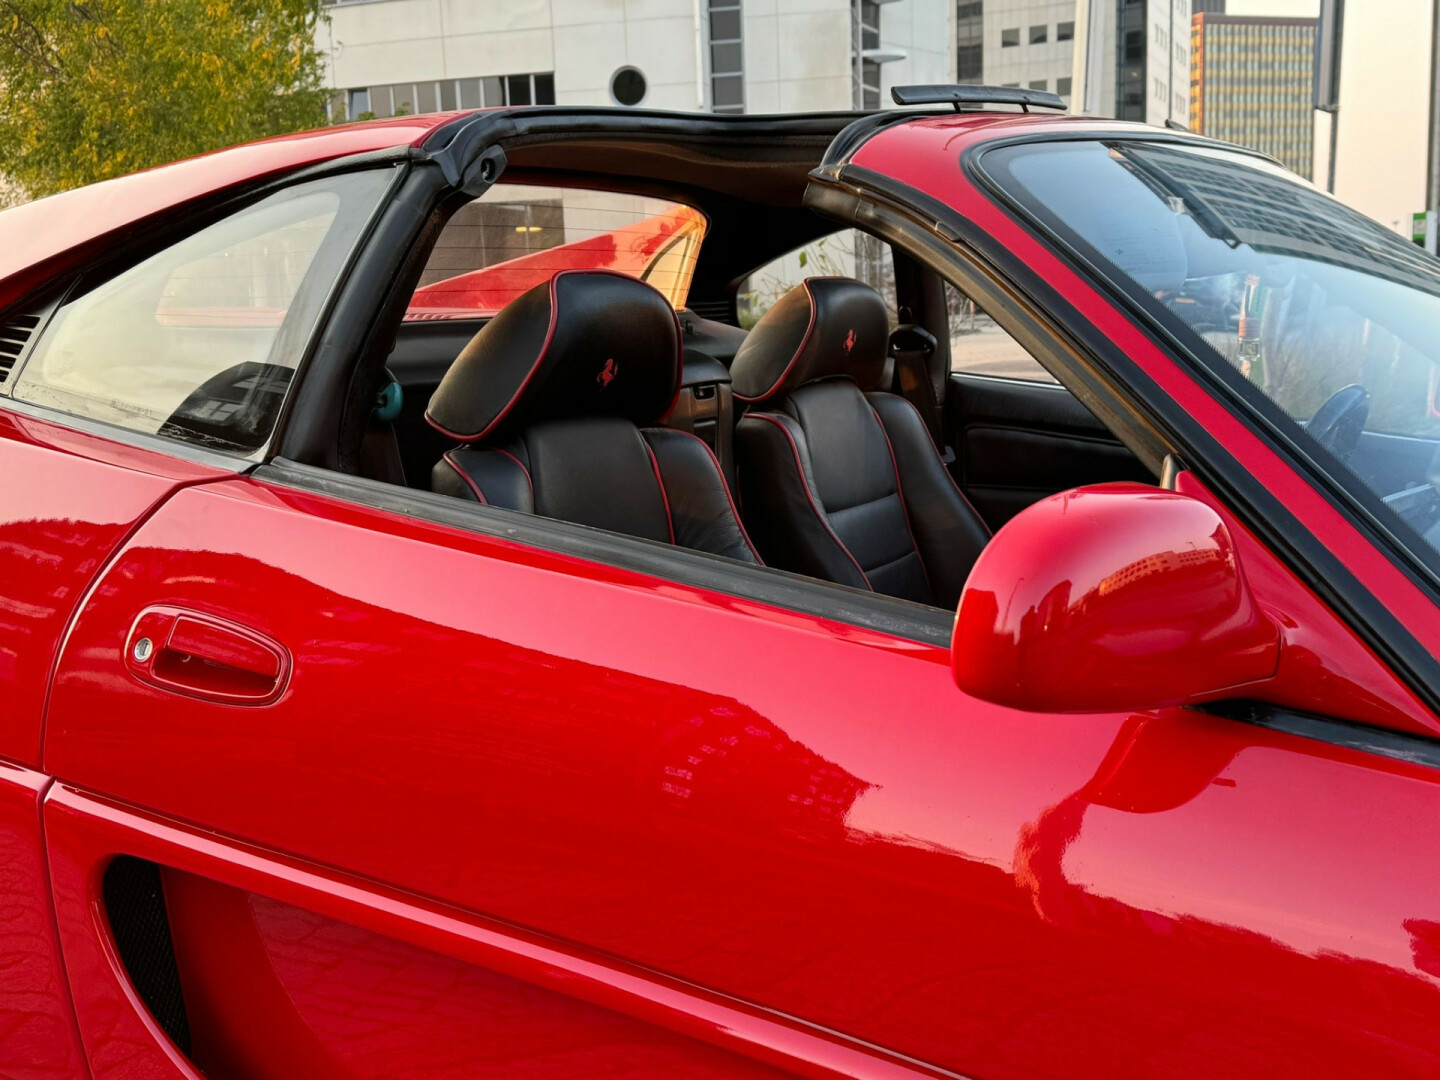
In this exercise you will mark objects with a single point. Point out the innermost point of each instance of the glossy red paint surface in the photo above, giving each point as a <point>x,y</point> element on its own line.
<point>66,501</point>
<point>275,991</point>
<point>1107,597</point>
<point>38,1038</point>
<point>800,815</point>
<point>35,237</point>
<point>926,155</point>
<point>86,832</point>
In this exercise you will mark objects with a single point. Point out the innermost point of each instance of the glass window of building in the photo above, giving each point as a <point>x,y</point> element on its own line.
<point>727,58</point>
<point>1010,38</point>
<point>970,42</point>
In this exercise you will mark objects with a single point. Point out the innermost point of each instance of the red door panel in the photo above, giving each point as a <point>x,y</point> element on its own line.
<point>67,499</point>
<point>38,1039</point>
<point>801,814</point>
<point>276,954</point>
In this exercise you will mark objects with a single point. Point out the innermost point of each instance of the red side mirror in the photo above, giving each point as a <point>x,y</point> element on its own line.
<point>1114,597</point>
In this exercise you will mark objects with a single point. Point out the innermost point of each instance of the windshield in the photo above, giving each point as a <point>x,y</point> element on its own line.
<point>1335,319</point>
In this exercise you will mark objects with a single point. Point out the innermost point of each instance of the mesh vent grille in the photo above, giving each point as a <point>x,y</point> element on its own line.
<point>135,906</point>
<point>14,333</point>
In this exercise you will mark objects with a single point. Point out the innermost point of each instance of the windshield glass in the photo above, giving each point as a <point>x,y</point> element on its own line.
<point>1334,318</point>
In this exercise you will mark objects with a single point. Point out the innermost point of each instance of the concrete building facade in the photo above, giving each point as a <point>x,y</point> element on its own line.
<point>1251,82</point>
<point>1132,55</point>
<point>753,56</point>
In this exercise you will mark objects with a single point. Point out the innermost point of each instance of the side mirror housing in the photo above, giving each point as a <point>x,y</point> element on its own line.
<point>1118,597</point>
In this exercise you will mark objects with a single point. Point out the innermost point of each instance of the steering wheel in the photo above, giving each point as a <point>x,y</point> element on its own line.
<point>1338,424</point>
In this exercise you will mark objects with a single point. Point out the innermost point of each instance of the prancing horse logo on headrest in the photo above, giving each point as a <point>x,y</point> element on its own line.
<point>607,373</point>
<point>850,341</point>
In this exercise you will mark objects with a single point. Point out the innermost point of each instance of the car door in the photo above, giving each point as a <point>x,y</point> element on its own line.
<point>510,809</point>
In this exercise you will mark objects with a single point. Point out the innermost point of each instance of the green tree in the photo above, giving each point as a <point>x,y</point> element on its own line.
<point>101,88</point>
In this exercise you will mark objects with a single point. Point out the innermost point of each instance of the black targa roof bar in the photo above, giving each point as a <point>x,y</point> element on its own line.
<point>960,96</point>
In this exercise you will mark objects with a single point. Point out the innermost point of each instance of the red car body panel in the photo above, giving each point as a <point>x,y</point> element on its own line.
<point>923,885</point>
<point>511,812</point>
<point>38,239</point>
<point>38,1036</point>
<point>68,500</point>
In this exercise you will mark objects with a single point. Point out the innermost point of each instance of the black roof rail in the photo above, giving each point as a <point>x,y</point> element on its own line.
<point>962,95</point>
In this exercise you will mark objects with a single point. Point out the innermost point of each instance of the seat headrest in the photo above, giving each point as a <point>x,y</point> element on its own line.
<point>821,328</point>
<point>585,343</point>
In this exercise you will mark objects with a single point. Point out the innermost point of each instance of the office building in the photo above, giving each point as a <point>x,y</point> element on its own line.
<point>1252,83</point>
<point>752,56</point>
<point>1025,43</point>
<point>1135,51</point>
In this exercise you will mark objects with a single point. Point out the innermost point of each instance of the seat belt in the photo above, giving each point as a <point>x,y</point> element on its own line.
<point>911,348</point>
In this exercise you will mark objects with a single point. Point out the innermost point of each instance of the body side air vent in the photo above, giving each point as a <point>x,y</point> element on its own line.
<point>15,334</point>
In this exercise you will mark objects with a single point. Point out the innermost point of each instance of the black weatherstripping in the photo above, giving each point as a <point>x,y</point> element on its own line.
<point>1412,749</point>
<point>884,614</point>
<point>135,908</point>
<point>1256,505</point>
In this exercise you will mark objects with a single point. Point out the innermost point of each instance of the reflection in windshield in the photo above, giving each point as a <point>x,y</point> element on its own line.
<point>1332,316</point>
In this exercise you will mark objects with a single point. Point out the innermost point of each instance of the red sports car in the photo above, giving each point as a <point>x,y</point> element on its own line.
<point>607,593</point>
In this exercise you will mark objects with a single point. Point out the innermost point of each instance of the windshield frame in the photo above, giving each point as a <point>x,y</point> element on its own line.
<point>1403,544</point>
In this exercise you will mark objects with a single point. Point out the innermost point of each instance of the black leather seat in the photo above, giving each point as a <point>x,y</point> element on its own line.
<point>547,402</point>
<point>837,481</point>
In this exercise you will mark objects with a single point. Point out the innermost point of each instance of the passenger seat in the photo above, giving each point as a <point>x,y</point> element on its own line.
<point>838,481</point>
<point>549,405</point>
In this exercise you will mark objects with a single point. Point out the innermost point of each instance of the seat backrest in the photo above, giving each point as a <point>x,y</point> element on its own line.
<point>839,481</point>
<point>548,403</point>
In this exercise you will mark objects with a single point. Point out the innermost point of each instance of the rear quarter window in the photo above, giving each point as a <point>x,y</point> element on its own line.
<point>199,342</point>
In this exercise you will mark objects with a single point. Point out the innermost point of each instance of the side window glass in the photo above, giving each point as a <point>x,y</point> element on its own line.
<point>200,341</point>
<point>848,253</point>
<point>979,347</point>
<point>516,236</point>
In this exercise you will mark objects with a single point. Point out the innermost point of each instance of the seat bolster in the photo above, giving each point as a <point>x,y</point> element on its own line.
<point>782,511</point>
<point>701,509</point>
<point>947,530</point>
<point>495,477</point>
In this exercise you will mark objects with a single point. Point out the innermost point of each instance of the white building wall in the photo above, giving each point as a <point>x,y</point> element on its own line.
<point>1167,62</point>
<point>925,31</point>
<point>1025,64</point>
<point>582,41</point>
<point>797,53</point>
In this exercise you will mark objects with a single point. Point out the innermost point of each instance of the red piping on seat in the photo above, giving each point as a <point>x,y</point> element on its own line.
<point>726,487</point>
<point>815,506</point>
<point>469,482</point>
<point>655,464</point>
<point>948,476</point>
<point>809,330</point>
<point>904,506</point>
<point>545,347</point>
<point>529,480</point>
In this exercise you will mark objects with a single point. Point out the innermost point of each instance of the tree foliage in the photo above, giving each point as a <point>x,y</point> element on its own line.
<point>99,88</point>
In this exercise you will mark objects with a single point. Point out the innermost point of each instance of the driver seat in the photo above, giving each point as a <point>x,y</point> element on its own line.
<point>839,481</point>
<point>549,403</point>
